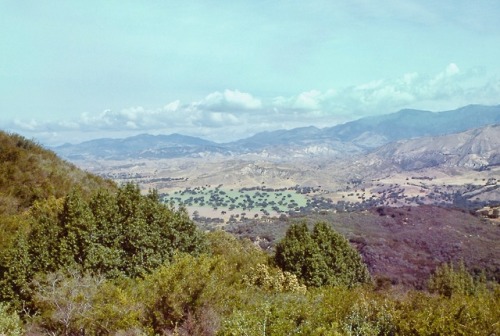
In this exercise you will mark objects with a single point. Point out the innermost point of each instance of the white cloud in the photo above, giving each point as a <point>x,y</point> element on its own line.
<point>229,100</point>
<point>225,115</point>
<point>173,106</point>
<point>242,99</point>
<point>310,100</point>
<point>28,125</point>
<point>218,119</point>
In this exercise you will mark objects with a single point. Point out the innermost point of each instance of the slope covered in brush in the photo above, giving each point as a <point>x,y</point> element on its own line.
<point>29,172</point>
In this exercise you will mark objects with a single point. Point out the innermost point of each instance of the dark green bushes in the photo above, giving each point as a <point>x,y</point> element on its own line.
<point>110,235</point>
<point>320,258</point>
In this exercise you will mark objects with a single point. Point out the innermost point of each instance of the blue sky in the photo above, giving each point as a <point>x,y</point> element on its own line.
<point>222,70</point>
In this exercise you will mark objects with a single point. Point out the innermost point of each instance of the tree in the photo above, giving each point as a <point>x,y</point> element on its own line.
<point>127,234</point>
<point>299,254</point>
<point>321,258</point>
<point>449,280</point>
<point>344,263</point>
<point>106,254</point>
<point>77,234</point>
<point>44,237</point>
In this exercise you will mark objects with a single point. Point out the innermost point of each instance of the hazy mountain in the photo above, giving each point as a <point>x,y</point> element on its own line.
<point>351,138</point>
<point>477,149</point>
<point>406,124</point>
<point>140,146</point>
<point>371,132</point>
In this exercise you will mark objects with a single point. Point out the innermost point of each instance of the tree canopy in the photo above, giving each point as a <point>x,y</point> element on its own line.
<point>110,235</point>
<point>320,258</point>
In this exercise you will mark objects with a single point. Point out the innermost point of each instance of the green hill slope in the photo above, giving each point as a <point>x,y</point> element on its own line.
<point>29,172</point>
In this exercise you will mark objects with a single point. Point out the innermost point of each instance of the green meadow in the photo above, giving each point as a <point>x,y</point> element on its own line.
<point>265,200</point>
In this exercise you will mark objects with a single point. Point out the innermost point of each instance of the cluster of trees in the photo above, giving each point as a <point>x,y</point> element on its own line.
<point>125,264</point>
<point>122,234</point>
<point>217,198</point>
<point>320,258</point>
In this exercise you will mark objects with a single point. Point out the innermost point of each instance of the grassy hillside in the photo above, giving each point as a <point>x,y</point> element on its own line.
<point>29,172</point>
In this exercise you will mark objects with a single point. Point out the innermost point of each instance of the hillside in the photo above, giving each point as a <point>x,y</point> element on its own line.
<point>125,263</point>
<point>402,244</point>
<point>460,167</point>
<point>143,145</point>
<point>476,149</point>
<point>29,172</point>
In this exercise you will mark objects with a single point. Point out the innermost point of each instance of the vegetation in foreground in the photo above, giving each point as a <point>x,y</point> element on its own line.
<point>126,264</point>
<point>234,290</point>
<point>111,261</point>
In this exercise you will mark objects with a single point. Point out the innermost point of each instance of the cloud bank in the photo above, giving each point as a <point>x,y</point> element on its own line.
<point>232,114</point>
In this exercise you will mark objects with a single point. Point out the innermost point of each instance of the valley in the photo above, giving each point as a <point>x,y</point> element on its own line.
<point>321,186</point>
<point>404,223</point>
<point>410,157</point>
<point>408,202</point>
<point>394,216</point>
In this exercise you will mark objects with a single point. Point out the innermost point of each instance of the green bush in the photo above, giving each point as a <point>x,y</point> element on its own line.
<point>448,280</point>
<point>320,258</point>
<point>10,323</point>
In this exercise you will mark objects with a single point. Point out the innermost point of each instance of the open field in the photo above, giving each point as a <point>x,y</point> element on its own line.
<point>232,204</point>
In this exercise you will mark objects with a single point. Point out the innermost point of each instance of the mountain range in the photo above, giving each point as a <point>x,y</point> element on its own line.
<point>355,137</point>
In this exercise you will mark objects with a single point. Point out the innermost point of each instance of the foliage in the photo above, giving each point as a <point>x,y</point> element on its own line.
<point>192,293</point>
<point>233,290</point>
<point>15,269</point>
<point>74,304</point>
<point>360,311</point>
<point>321,258</point>
<point>77,260</point>
<point>450,280</point>
<point>64,301</point>
<point>423,314</point>
<point>10,323</point>
<point>242,255</point>
<point>126,234</point>
<point>30,172</point>
<point>184,288</point>
<point>273,280</point>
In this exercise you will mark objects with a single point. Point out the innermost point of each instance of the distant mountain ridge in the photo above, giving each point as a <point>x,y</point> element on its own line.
<point>142,145</point>
<point>407,124</point>
<point>355,137</point>
<point>475,149</point>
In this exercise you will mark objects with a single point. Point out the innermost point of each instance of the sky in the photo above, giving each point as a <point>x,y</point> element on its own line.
<point>223,70</point>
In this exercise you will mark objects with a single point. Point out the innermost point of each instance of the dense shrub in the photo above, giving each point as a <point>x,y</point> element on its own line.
<point>320,258</point>
<point>110,235</point>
